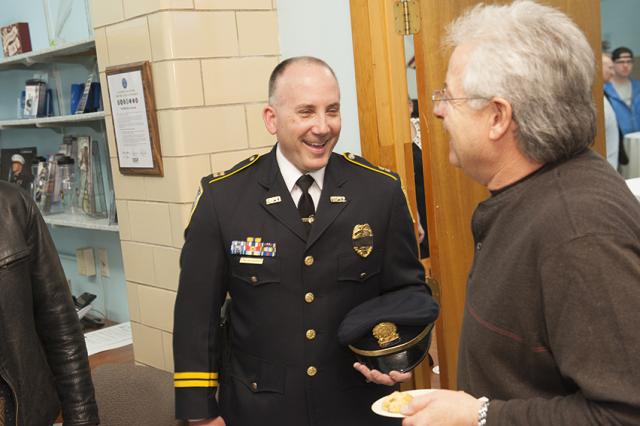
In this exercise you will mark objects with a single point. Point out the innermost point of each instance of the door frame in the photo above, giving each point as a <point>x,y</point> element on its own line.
<point>450,195</point>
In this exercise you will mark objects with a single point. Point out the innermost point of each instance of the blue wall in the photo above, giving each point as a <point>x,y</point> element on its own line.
<point>111,291</point>
<point>620,23</point>
<point>304,36</point>
<point>32,11</point>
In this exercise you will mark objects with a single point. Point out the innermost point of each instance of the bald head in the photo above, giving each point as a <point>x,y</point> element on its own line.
<point>279,71</point>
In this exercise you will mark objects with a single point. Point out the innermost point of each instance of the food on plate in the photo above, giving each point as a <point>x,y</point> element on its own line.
<point>394,402</point>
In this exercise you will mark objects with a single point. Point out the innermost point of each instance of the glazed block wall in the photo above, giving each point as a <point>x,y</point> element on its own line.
<point>211,61</point>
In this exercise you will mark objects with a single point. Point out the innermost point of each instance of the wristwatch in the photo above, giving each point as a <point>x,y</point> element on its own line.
<point>482,412</point>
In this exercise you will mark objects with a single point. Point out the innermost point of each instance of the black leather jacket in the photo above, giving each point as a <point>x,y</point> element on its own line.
<point>43,358</point>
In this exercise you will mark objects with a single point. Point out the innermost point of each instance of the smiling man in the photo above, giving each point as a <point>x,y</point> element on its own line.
<point>298,238</point>
<point>551,310</point>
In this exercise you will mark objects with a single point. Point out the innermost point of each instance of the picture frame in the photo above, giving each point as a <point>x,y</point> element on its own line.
<point>135,122</point>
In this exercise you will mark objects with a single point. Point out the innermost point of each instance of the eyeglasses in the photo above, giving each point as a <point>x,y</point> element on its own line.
<point>441,96</point>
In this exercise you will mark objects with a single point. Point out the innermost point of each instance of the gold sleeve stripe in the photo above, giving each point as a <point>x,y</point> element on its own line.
<point>195,375</point>
<point>195,383</point>
<point>226,175</point>
<point>346,156</point>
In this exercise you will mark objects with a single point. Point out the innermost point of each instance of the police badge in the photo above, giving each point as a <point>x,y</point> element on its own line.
<point>362,239</point>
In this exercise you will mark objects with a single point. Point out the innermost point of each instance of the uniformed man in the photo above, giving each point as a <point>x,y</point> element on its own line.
<point>297,238</point>
<point>19,176</point>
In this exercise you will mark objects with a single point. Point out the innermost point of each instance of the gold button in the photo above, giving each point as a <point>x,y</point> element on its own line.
<point>311,334</point>
<point>312,371</point>
<point>308,260</point>
<point>253,279</point>
<point>254,386</point>
<point>363,275</point>
<point>309,297</point>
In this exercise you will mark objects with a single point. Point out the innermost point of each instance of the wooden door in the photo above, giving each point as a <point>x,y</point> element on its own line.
<point>450,195</point>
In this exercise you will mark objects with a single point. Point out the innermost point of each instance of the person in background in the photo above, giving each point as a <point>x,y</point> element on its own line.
<point>418,173</point>
<point>624,92</point>
<point>549,333</point>
<point>43,358</point>
<point>298,238</point>
<point>611,130</point>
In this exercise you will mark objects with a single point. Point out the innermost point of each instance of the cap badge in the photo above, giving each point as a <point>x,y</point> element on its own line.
<point>386,333</point>
<point>362,239</point>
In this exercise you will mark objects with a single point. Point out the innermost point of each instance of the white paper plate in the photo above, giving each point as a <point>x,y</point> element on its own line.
<point>376,407</point>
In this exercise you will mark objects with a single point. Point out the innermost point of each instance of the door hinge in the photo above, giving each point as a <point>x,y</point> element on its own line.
<point>406,17</point>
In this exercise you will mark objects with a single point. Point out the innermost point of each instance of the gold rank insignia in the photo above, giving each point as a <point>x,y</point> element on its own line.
<point>362,239</point>
<point>386,333</point>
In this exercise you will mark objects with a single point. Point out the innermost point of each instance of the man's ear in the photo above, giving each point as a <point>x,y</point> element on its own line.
<point>501,118</point>
<point>270,119</point>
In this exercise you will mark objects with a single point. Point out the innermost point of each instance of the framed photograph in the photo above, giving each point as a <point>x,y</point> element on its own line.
<point>135,121</point>
<point>16,165</point>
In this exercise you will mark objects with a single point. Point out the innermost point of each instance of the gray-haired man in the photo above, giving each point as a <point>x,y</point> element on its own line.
<point>550,323</point>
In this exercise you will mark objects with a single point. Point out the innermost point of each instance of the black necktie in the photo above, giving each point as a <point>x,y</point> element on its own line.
<point>305,204</point>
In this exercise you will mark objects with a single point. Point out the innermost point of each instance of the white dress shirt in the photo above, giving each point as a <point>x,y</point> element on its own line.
<point>291,174</point>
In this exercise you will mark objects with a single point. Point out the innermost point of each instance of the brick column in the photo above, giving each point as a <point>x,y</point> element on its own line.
<point>211,61</point>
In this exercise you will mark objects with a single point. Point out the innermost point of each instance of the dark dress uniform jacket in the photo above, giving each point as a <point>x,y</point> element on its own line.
<point>286,366</point>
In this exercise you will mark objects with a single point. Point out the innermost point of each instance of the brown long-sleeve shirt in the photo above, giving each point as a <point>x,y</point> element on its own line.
<point>550,331</point>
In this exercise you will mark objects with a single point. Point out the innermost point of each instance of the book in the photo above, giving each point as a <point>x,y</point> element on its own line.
<point>82,103</point>
<point>15,38</point>
<point>35,99</point>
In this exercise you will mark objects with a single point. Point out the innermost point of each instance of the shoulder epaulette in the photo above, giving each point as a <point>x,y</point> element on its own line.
<point>235,169</point>
<point>359,161</point>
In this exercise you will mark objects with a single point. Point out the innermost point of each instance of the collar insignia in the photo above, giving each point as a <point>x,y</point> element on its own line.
<point>273,200</point>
